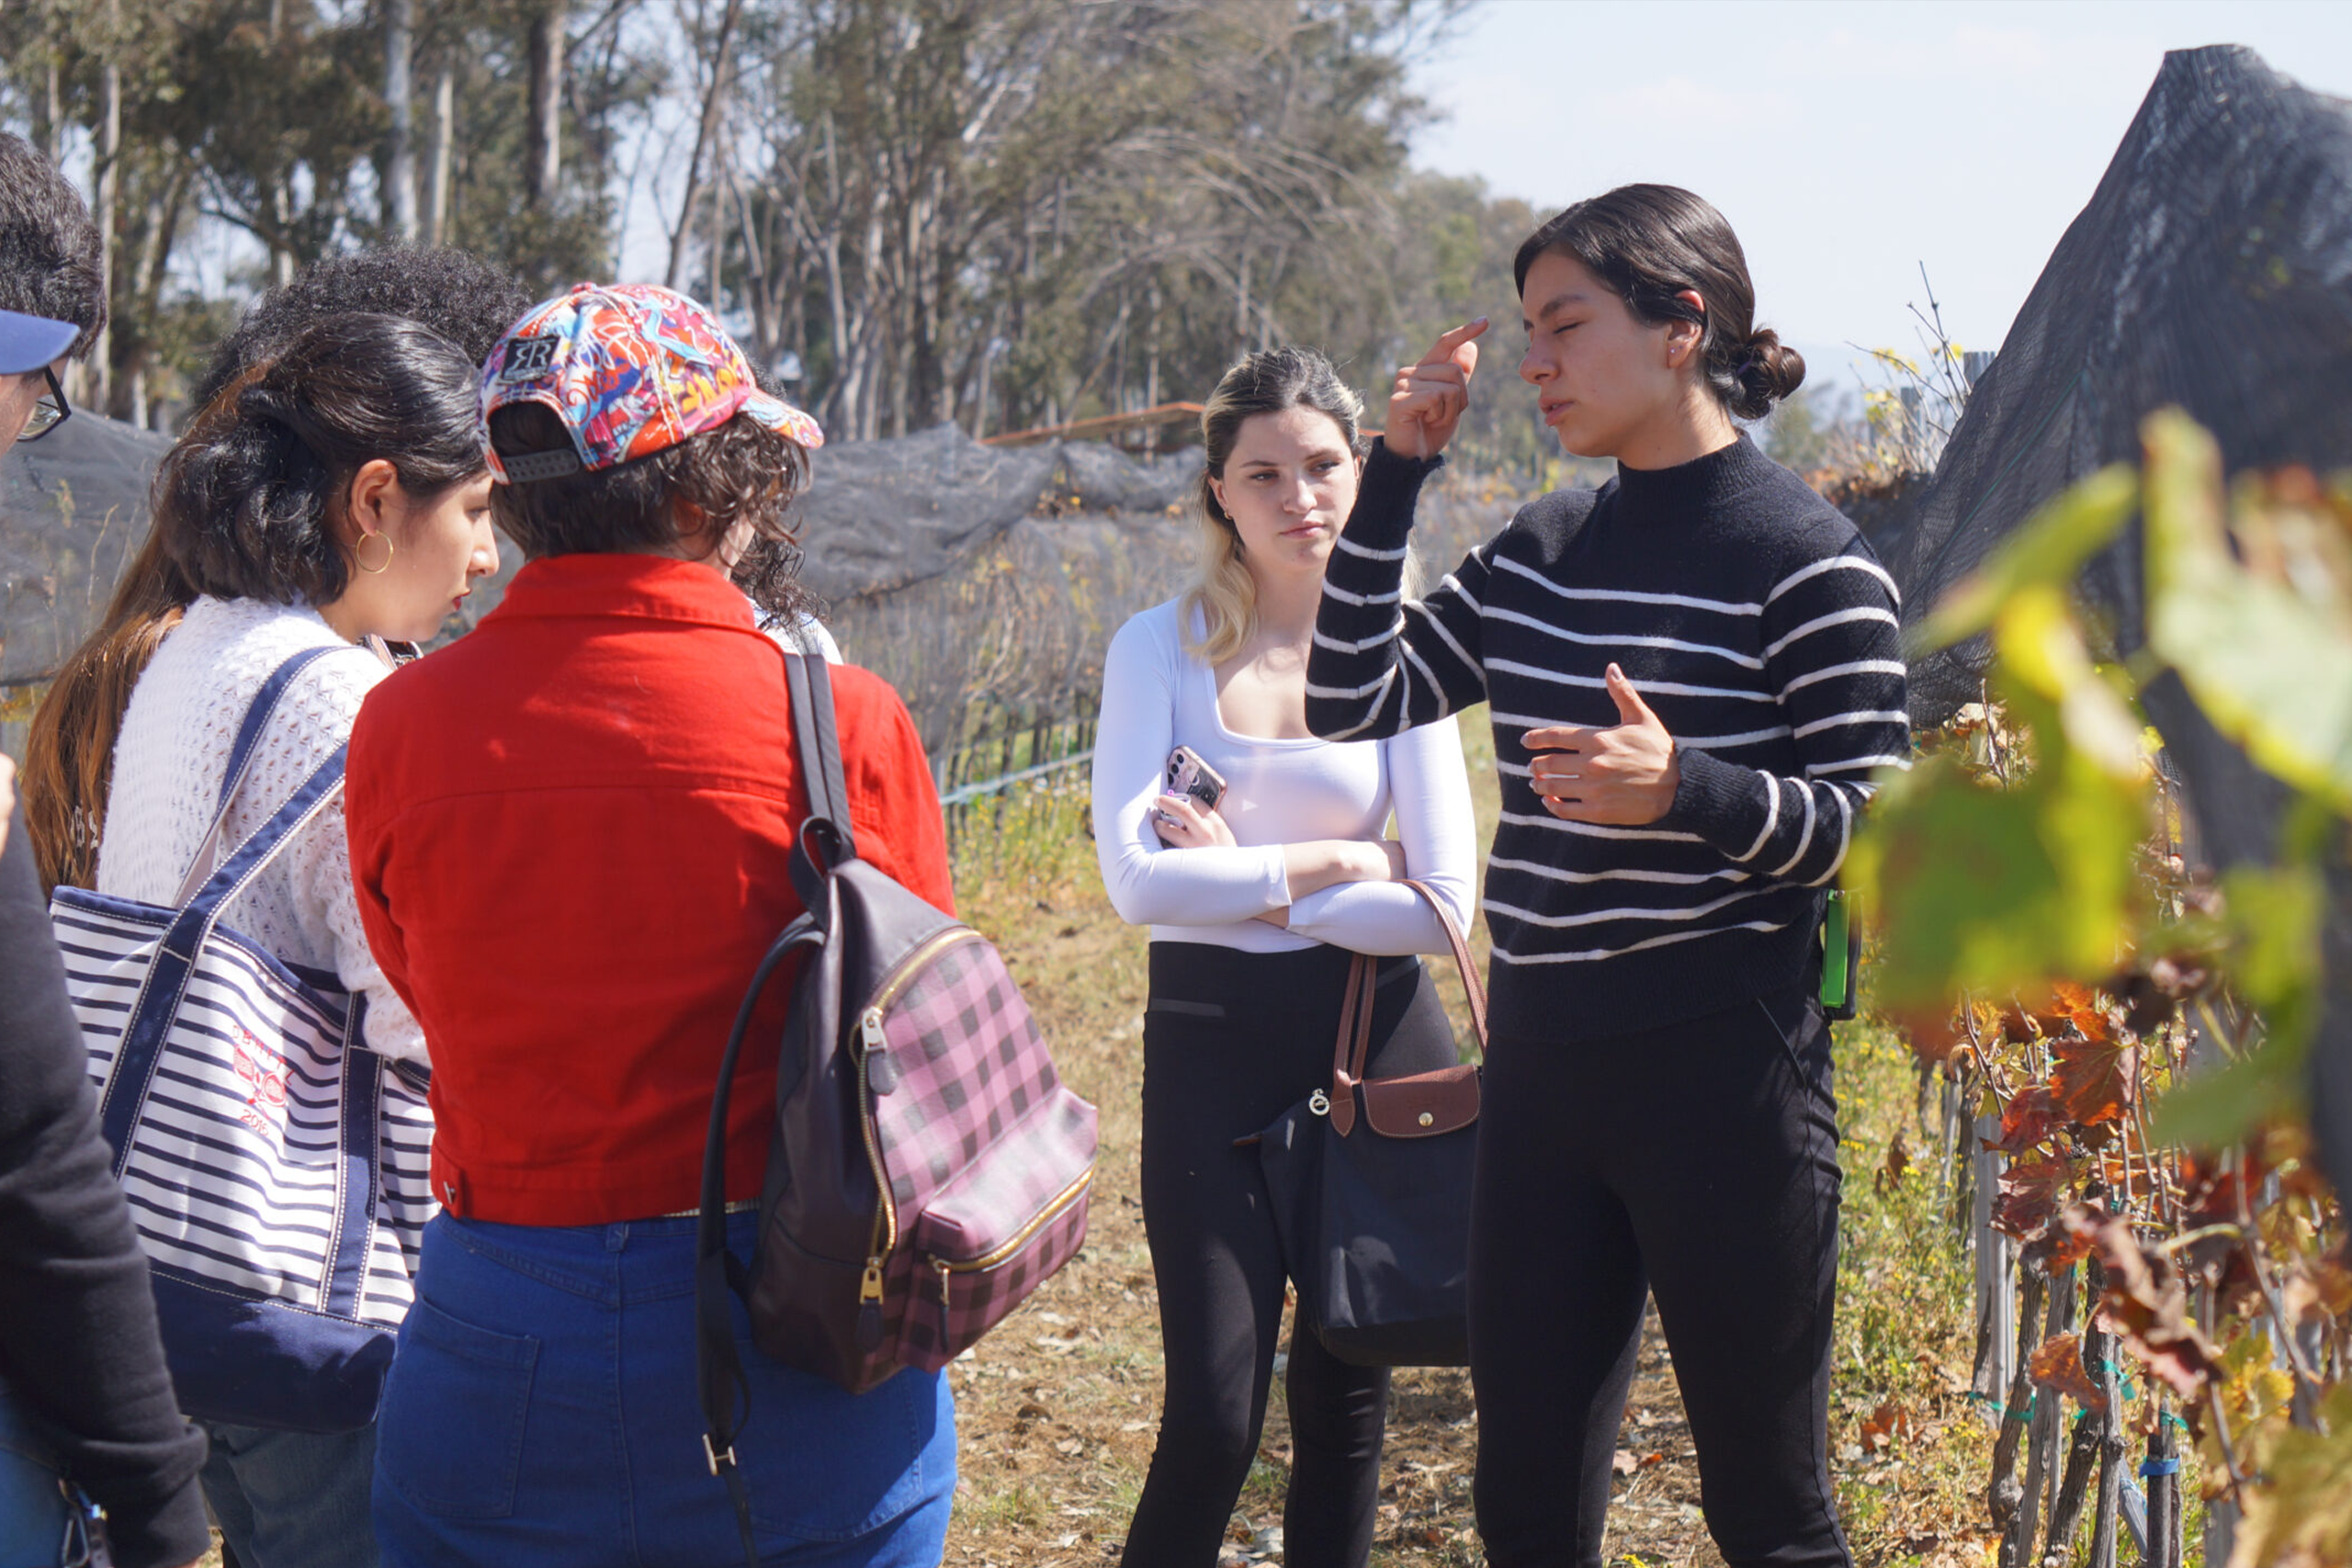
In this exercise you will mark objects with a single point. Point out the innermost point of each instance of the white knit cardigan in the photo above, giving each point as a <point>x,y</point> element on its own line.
<point>172,753</point>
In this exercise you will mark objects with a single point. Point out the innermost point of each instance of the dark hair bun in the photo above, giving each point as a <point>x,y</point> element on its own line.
<point>1766,371</point>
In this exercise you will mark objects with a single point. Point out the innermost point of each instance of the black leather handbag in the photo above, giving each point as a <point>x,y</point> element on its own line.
<point>1371,1188</point>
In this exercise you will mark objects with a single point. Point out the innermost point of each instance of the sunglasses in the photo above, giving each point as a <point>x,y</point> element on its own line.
<point>50,411</point>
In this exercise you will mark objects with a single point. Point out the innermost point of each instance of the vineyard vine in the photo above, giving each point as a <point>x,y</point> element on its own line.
<point>2131,1030</point>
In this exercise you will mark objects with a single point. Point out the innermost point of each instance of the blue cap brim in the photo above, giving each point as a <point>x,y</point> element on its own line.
<point>28,343</point>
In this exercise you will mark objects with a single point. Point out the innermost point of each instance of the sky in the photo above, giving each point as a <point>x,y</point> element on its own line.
<point>1847,143</point>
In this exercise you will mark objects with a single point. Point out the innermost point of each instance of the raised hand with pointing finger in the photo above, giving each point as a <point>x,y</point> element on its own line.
<point>1429,398</point>
<point>1623,775</point>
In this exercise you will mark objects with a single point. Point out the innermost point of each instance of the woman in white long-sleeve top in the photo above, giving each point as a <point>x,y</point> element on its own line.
<point>1256,906</point>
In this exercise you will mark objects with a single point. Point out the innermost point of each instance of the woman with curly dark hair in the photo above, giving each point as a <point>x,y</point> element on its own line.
<point>571,831</point>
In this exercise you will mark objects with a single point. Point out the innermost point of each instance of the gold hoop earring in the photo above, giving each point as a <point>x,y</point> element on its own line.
<point>373,570</point>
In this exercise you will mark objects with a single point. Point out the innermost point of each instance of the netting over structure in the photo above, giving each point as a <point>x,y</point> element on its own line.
<point>2212,269</point>
<point>956,569</point>
<point>883,515</point>
<point>73,507</point>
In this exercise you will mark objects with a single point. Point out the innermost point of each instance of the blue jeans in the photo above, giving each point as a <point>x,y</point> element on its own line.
<point>542,1410</point>
<point>292,1499</point>
<point>38,1527</point>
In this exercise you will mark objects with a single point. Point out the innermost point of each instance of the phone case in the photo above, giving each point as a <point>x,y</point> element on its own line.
<point>1187,774</point>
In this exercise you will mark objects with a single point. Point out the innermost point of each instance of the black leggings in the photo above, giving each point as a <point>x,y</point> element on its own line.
<point>1697,1163</point>
<point>1231,1040</point>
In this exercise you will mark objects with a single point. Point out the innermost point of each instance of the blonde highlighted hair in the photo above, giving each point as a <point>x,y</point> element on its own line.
<point>1224,602</point>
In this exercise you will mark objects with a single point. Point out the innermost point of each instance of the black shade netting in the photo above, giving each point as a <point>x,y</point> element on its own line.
<point>73,510</point>
<point>2212,269</point>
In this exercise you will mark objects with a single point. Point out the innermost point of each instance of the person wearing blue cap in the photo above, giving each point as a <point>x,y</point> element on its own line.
<point>84,1394</point>
<point>35,403</point>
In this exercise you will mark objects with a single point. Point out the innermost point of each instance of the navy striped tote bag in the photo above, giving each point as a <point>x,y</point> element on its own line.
<point>275,1169</point>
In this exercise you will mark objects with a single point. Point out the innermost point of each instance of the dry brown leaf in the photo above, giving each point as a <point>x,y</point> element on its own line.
<point>2058,1364</point>
<point>1888,1425</point>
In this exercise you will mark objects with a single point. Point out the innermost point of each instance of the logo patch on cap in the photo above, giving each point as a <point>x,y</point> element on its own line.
<point>529,358</point>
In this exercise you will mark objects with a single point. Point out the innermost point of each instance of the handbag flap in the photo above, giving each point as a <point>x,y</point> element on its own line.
<point>1422,1105</point>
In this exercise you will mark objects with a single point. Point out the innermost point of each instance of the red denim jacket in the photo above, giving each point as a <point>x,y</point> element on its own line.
<point>569,833</point>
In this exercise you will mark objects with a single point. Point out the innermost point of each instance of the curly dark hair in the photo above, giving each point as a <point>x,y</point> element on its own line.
<point>739,470</point>
<point>49,247</point>
<point>245,503</point>
<point>465,299</point>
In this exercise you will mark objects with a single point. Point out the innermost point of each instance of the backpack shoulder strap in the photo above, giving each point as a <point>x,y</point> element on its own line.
<point>819,747</point>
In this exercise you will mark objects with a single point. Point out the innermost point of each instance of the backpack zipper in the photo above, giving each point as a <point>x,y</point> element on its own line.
<point>1019,1239</point>
<point>871,1043</point>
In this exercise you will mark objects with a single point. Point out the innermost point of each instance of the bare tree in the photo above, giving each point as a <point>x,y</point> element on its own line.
<point>1048,205</point>
<point>705,133</point>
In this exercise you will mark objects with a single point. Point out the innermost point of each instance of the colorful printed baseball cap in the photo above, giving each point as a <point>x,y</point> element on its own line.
<point>631,370</point>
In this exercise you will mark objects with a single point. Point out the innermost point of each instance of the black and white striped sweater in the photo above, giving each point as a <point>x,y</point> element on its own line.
<point>1754,622</point>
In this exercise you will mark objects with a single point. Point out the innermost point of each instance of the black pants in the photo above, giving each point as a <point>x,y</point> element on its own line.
<point>1697,1163</point>
<point>1231,1041</point>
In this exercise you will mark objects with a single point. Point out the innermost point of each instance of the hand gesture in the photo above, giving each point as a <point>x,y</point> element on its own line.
<point>1183,823</point>
<point>1624,776</point>
<point>1429,398</point>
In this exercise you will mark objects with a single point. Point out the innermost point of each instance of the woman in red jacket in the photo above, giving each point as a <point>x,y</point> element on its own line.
<point>569,832</point>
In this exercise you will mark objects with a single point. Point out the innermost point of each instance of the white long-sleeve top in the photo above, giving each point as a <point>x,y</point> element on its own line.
<point>1156,696</point>
<point>173,752</point>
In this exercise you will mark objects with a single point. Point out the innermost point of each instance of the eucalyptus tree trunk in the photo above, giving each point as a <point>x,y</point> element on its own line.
<point>281,194</point>
<point>717,236</point>
<point>542,157</point>
<point>52,102</point>
<point>399,168</point>
<point>759,284</point>
<point>110,189</point>
<point>444,117</point>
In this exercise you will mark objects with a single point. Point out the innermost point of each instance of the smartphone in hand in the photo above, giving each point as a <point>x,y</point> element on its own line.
<point>1187,774</point>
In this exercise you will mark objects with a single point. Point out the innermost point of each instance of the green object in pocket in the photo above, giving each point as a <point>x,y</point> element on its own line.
<point>1839,951</point>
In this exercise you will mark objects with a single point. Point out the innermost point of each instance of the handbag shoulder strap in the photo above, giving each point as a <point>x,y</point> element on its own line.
<point>810,688</point>
<point>1472,985</point>
<point>258,713</point>
<point>168,971</point>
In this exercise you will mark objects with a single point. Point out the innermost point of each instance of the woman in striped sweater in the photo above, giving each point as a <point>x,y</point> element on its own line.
<point>1694,672</point>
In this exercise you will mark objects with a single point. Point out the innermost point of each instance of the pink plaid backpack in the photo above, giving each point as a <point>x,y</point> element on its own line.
<point>929,1169</point>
